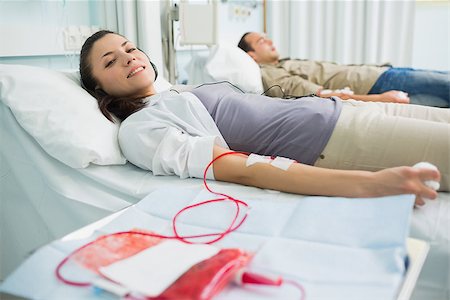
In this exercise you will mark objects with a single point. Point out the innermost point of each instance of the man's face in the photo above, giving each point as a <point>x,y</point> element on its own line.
<point>264,52</point>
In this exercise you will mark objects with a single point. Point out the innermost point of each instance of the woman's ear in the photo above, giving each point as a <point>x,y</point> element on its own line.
<point>99,91</point>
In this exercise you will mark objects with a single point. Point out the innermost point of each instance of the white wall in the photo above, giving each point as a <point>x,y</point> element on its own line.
<point>431,49</point>
<point>31,31</point>
<point>431,41</point>
<point>278,26</point>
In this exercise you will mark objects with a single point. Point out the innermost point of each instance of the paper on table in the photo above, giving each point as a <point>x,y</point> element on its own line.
<point>153,270</point>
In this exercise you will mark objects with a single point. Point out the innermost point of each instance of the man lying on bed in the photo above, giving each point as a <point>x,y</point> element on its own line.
<point>173,133</point>
<point>369,83</point>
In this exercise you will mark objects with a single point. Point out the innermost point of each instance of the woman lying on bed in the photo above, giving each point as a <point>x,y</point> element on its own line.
<point>180,133</point>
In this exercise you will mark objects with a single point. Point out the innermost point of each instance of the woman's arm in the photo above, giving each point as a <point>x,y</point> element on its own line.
<point>309,180</point>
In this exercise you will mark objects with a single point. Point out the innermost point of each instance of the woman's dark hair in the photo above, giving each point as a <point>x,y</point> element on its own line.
<point>243,43</point>
<point>110,106</point>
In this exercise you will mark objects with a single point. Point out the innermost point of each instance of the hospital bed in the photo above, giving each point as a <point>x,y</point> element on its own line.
<point>49,190</point>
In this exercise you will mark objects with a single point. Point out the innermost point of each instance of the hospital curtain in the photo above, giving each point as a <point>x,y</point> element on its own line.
<point>138,20</point>
<point>370,32</point>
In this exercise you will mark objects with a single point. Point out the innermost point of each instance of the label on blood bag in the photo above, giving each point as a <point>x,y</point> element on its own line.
<point>153,270</point>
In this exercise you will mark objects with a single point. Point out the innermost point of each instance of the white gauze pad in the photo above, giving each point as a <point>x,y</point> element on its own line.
<point>430,183</point>
<point>282,162</point>
<point>255,158</point>
<point>279,162</point>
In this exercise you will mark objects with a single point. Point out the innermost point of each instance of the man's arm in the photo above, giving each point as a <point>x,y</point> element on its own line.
<point>279,82</point>
<point>310,180</point>
<point>390,96</point>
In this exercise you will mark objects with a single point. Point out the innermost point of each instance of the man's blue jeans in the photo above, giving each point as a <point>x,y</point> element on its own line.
<point>425,87</point>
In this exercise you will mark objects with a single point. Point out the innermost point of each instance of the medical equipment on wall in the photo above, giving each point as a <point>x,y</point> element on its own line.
<point>198,23</point>
<point>197,26</point>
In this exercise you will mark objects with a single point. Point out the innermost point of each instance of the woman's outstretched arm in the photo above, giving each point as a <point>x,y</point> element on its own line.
<point>309,180</point>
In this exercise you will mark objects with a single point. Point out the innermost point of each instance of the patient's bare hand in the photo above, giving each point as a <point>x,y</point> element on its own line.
<point>407,180</point>
<point>394,96</point>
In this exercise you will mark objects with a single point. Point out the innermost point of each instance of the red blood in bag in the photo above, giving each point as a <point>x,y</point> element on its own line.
<point>109,249</point>
<point>207,278</point>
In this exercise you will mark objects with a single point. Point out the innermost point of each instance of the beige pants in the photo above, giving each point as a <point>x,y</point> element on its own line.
<point>373,136</point>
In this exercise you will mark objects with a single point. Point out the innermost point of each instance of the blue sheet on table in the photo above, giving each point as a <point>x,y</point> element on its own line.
<point>337,248</point>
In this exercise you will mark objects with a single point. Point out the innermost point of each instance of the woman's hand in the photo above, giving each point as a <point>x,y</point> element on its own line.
<point>406,180</point>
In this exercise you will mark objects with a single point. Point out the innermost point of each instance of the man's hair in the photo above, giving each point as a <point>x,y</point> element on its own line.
<point>243,43</point>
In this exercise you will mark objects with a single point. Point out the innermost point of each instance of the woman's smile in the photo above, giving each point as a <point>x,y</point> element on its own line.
<point>136,70</point>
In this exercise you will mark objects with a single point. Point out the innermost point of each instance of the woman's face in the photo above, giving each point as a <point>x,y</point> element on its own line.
<point>121,70</point>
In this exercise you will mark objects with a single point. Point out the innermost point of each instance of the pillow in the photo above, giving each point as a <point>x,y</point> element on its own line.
<point>60,115</point>
<point>161,84</point>
<point>230,63</point>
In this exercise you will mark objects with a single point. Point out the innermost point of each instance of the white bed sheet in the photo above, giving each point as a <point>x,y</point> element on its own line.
<point>43,199</point>
<point>431,223</point>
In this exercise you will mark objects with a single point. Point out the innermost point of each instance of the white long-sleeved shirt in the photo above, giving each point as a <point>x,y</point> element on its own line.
<point>173,134</point>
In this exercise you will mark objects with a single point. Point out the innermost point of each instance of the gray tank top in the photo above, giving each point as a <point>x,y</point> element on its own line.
<point>298,129</point>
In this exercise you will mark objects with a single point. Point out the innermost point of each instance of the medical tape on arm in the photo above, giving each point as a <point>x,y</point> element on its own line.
<point>282,162</point>
<point>255,158</point>
<point>279,162</point>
